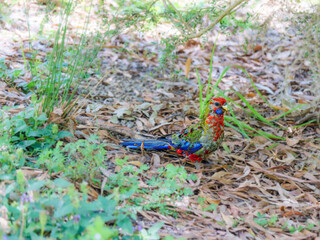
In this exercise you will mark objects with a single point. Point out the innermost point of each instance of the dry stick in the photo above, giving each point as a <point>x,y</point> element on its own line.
<point>22,221</point>
<point>316,38</point>
<point>107,126</point>
<point>123,27</point>
<point>166,6</point>
<point>178,12</point>
<point>218,19</point>
<point>281,175</point>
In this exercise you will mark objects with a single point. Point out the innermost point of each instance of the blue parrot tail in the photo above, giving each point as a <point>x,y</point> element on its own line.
<point>148,144</point>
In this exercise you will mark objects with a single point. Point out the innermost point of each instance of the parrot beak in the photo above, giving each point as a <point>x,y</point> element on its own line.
<point>225,108</point>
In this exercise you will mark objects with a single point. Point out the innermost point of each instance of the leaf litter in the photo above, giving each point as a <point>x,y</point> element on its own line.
<point>259,177</point>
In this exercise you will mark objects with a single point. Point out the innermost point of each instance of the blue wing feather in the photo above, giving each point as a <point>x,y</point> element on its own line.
<point>148,144</point>
<point>187,146</point>
<point>188,141</point>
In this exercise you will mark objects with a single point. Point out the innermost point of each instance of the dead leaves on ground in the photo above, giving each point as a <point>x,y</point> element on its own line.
<point>258,176</point>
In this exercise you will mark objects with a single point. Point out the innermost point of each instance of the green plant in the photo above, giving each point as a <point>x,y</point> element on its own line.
<point>240,126</point>
<point>186,20</point>
<point>56,209</point>
<point>163,191</point>
<point>211,207</point>
<point>236,222</point>
<point>80,160</point>
<point>56,80</point>
<point>152,233</point>
<point>7,75</point>
<point>298,228</point>
<point>29,131</point>
<point>57,83</point>
<point>262,220</point>
<point>168,186</point>
<point>98,230</point>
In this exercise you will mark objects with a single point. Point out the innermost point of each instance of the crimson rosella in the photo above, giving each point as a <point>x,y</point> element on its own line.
<point>197,141</point>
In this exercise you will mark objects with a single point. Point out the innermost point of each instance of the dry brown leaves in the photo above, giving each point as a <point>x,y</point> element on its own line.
<point>256,177</point>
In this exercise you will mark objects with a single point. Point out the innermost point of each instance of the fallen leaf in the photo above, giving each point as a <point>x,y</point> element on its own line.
<point>122,111</point>
<point>257,48</point>
<point>184,202</point>
<point>4,225</point>
<point>246,172</point>
<point>187,67</point>
<point>291,213</point>
<point>135,163</point>
<point>293,141</point>
<point>227,219</point>
<point>156,160</point>
<point>220,176</point>
<point>251,95</point>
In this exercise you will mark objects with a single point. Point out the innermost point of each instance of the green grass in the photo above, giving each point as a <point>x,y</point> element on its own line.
<point>60,86</point>
<point>56,80</point>
<point>232,121</point>
<point>6,75</point>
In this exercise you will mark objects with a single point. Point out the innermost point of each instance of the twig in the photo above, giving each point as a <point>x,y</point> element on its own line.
<point>22,221</point>
<point>107,126</point>
<point>172,19</point>
<point>218,19</point>
<point>281,175</point>
<point>316,38</point>
<point>180,16</point>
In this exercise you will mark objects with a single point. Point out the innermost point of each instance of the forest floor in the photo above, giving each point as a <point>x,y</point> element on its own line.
<point>260,187</point>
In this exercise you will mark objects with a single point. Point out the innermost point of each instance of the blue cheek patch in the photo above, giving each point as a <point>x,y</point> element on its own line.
<point>219,111</point>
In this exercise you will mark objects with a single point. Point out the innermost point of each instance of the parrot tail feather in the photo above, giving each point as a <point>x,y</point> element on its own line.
<point>148,144</point>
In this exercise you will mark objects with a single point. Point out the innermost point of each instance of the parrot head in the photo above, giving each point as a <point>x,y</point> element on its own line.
<point>218,105</point>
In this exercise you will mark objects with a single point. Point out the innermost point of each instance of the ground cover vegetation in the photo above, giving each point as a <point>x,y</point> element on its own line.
<point>77,76</point>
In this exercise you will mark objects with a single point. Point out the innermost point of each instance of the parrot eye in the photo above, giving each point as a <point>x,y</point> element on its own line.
<point>217,104</point>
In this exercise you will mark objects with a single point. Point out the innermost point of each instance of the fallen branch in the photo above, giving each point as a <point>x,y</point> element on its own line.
<point>107,126</point>
<point>218,19</point>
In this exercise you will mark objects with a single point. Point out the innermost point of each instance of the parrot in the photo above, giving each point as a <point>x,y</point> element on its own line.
<point>197,141</point>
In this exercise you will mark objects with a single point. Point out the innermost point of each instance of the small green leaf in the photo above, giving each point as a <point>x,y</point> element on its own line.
<point>22,128</point>
<point>144,167</point>
<point>26,143</point>
<point>226,148</point>
<point>60,182</point>
<point>42,117</point>
<point>36,185</point>
<point>36,133</point>
<point>155,228</point>
<point>5,177</point>
<point>169,238</point>
<point>122,111</point>
<point>64,134</point>
<point>63,211</point>
<point>125,224</point>
<point>156,108</point>
<point>108,205</point>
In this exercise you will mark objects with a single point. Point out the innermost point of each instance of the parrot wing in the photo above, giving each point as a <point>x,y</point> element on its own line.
<point>188,140</point>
